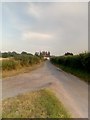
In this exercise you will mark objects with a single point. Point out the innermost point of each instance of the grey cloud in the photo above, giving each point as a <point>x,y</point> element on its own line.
<point>66,22</point>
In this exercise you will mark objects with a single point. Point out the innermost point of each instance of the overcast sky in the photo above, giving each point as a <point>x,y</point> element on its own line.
<point>54,27</point>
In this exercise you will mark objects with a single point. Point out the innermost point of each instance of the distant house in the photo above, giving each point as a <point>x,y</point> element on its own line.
<point>45,54</point>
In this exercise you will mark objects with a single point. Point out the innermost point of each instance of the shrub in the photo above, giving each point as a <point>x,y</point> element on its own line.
<point>9,64</point>
<point>81,61</point>
<point>26,60</point>
<point>20,60</point>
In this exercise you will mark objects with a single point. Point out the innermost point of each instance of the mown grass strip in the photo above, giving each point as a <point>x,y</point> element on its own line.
<point>39,104</point>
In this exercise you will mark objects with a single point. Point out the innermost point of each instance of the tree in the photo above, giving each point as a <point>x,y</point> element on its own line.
<point>24,53</point>
<point>68,53</point>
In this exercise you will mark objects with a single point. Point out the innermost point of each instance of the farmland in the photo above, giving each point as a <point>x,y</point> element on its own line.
<point>76,64</point>
<point>70,90</point>
<point>16,88</point>
<point>16,63</point>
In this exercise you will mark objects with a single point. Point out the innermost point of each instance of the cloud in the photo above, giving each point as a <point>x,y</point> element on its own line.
<point>36,36</point>
<point>59,27</point>
<point>34,10</point>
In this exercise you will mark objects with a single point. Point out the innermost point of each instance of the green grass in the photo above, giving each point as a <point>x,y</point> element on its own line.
<point>83,75</point>
<point>39,104</point>
<point>76,64</point>
<point>19,64</point>
<point>19,61</point>
<point>9,65</point>
<point>20,70</point>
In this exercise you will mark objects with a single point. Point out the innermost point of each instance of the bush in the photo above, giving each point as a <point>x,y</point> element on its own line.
<point>9,65</point>
<point>20,60</point>
<point>77,65</point>
<point>26,60</point>
<point>80,62</point>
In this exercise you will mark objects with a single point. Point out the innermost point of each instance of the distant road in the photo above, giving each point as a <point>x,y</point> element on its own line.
<point>71,91</point>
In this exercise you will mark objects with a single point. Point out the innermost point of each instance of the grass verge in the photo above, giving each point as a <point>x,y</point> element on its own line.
<point>7,73</point>
<point>83,75</point>
<point>39,104</point>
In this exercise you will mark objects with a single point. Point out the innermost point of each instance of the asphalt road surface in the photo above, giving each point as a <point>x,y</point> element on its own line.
<point>71,91</point>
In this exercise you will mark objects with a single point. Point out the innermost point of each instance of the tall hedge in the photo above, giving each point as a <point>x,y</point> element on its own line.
<point>81,61</point>
<point>20,60</point>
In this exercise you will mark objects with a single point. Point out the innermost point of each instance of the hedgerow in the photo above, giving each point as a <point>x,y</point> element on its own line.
<point>79,65</point>
<point>80,62</point>
<point>20,60</point>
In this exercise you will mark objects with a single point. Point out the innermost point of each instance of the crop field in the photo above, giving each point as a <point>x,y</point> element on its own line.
<point>76,64</point>
<point>18,62</point>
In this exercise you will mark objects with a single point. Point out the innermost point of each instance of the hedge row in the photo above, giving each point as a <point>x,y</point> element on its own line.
<point>81,61</point>
<point>20,61</point>
<point>26,60</point>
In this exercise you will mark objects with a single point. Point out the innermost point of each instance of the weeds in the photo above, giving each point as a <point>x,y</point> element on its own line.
<point>39,104</point>
<point>20,61</point>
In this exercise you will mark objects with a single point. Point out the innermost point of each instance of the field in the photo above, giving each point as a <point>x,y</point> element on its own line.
<point>39,104</point>
<point>19,63</point>
<point>77,65</point>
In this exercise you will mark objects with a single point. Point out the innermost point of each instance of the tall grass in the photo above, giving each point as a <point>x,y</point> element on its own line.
<point>9,64</point>
<point>77,64</point>
<point>20,61</point>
